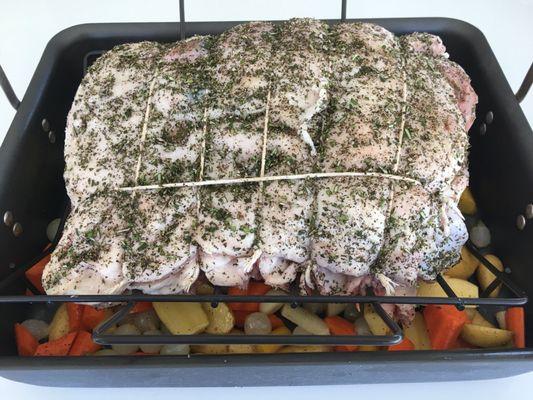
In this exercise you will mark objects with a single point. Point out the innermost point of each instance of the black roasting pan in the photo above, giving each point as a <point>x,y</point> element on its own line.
<point>33,190</point>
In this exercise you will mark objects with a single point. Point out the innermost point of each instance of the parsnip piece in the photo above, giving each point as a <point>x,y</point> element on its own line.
<point>305,319</point>
<point>333,309</point>
<point>271,308</point>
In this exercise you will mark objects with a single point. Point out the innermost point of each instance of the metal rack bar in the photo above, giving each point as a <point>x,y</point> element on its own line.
<point>343,10</point>
<point>182,20</point>
<point>8,89</point>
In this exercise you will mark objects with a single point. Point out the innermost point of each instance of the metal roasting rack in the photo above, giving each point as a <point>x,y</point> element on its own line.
<point>516,295</point>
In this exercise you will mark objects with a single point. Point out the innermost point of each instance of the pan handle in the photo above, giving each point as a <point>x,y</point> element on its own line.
<point>8,89</point>
<point>526,84</point>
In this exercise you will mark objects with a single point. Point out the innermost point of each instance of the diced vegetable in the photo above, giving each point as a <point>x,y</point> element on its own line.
<point>368,348</point>
<point>466,267</point>
<point>92,316</point>
<point>361,326</point>
<point>272,348</point>
<point>275,321</point>
<point>210,348</point>
<point>59,326</point>
<point>182,318</point>
<point>335,309</point>
<point>307,320</point>
<point>38,329</point>
<point>257,323</point>
<point>141,306</point>
<point>315,308</point>
<point>126,329</point>
<point>305,349</point>
<point>74,312</point>
<point>340,327</point>
<point>151,348</point>
<point>500,317</point>
<point>57,347</point>
<point>253,289</point>
<point>35,273</point>
<point>484,336</point>
<point>514,321</point>
<point>83,345</point>
<point>485,277</point>
<point>300,331</point>
<point>376,325</point>
<point>105,352</point>
<point>26,343</point>
<point>417,333</point>
<point>444,324</point>
<point>204,288</point>
<point>404,345</point>
<point>146,320</point>
<point>241,348</point>
<point>461,288</point>
<point>480,235</point>
<point>221,319</point>
<point>350,313</point>
<point>175,349</point>
<point>467,204</point>
<point>271,308</point>
<point>478,319</point>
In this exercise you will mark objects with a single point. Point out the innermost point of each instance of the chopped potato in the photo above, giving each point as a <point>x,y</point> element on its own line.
<point>333,309</point>
<point>272,348</point>
<point>241,348</point>
<point>485,277</point>
<point>271,308</point>
<point>484,336</point>
<point>478,319</point>
<point>221,319</point>
<point>305,319</point>
<point>467,204</point>
<point>182,318</point>
<point>417,333</point>
<point>460,287</point>
<point>465,268</point>
<point>375,323</point>
<point>59,326</point>
<point>204,288</point>
<point>306,349</point>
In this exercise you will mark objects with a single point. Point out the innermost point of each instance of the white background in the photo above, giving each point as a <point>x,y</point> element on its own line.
<point>27,25</point>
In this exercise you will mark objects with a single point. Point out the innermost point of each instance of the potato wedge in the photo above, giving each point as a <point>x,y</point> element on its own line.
<point>306,349</point>
<point>272,348</point>
<point>221,319</point>
<point>417,333</point>
<point>480,320</point>
<point>484,336</point>
<point>271,308</point>
<point>485,277</point>
<point>465,268</point>
<point>182,318</point>
<point>375,323</point>
<point>59,326</point>
<point>461,288</point>
<point>333,309</point>
<point>467,204</point>
<point>209,348</point>
<point>305,319</point>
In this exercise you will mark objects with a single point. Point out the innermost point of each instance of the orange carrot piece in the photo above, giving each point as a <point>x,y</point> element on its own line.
<point>275,321</point>
<point>240,317</point>
<point>91,317</point>
<point>83,345</point>
<point>26,343</point>
<point>141,306</point>
<point>58,347</point>
<point>74,312</point>
<point>514,319</point>
<point>444,324</point>
<point>254,289</point>
<point>28,293</point>
<point>404,345</point>
<point>340,327</point>
<point>35,273</point>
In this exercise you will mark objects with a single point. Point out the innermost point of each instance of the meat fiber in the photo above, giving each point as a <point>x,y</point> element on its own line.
<point>358,139</point>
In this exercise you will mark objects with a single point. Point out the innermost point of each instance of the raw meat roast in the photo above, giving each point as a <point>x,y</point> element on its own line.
<point>330,155</point>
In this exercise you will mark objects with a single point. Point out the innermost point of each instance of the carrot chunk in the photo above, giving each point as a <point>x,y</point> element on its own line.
<point>444,324</point>
<point>35,273</point>
<point>58,347</point>
<point>74,312</point>
<point>83,345</point>
<point>404,345</point>
<point>91,317</point>
<point>275,321</point>
<point>26,343</point>
<point>254,289</point>
<point>340,327</point>
<point>514,320</point>
<point>141,306</point>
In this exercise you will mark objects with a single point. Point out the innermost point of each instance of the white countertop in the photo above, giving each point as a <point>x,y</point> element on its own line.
<point>27,25</point>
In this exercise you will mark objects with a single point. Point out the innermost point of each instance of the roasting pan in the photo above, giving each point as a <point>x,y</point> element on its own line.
<point>32,190</point>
